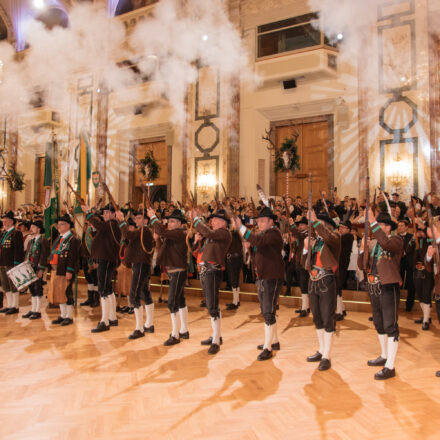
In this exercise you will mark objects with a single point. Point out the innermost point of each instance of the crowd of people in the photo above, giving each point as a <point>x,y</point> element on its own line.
<point>236,241</point>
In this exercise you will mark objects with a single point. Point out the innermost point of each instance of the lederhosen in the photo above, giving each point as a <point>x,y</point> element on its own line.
<point>90,273</point>
<point>234,264</point>
<point>36,288</point>
<point>423,280</point>
<point>60,249</point>
<point>322,291</point>
<point>384,298</point>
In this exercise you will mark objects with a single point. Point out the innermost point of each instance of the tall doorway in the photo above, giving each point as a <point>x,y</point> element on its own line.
<point>315,149</point>
<point>161,188</point>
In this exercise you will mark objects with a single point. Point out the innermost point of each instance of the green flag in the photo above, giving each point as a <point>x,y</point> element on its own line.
<point>51,185</point>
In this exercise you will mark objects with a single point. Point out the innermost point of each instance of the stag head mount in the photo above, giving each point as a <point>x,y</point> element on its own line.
<point>271,146</point>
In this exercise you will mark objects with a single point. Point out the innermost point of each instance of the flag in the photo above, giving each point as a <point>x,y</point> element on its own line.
<point>84,169</point>
<point>51,185</point>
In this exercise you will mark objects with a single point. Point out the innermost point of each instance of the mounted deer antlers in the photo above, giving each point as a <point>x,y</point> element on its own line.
<point>268,139</point>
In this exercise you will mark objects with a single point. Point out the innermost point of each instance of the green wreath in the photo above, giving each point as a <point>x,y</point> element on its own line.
<point>149,167</point>
<point>287,158</point>
<point>15,180</point>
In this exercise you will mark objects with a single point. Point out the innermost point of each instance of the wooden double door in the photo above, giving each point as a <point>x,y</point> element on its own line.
<point>315,149</point>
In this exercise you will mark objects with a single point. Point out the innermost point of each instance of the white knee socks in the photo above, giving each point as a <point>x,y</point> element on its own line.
<point>305,301</point>
<point>268,337</point>
<point>9,300</point>
<point>15,297</point>
<point>216,330</point>
<point>139,315</point>
<point>34,303</point>
<point>105,308</point>
<point>235,295</point>
<point>38,304</point>
<point>275,333</point>
<point>383,340</point>
<point>426,312</point>
<point>339,305</point>
<point>328,340</point>
<point>63,310</point>
<point>392,351</point>
<point>149,309</point>
<point>320,333</point>
<point>175,325</point>
<point>69,312</point>
<point>112,307</point>
<point>183,312</point>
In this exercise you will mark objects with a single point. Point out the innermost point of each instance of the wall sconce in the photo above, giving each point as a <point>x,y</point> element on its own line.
<point>206,182</point>
<point>399,173</point>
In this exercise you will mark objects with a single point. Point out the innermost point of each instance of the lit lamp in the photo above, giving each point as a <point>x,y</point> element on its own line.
<point>206,182</point>
<point>398,173</point>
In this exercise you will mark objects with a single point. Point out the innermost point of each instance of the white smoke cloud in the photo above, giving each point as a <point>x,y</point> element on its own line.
<point>168,45</point>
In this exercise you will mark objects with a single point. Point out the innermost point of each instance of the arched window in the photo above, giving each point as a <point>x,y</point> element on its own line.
<point>53,17</point>
<point>125,6</point>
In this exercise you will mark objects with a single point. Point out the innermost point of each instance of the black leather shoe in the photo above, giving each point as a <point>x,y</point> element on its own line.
<point>101,327</point>
<point>378,362</point>
<point>215,348</point>
<point>298,310</point>
<point>438,373</point>
<point>87,302</point>
<point>385,373</point>
<point>303,313</point>
<point>136,335</point>
<point>59,320</point>
<point>425,326</point>
<point>314,357</point>
<point>275,346</point>
<point>67,321</point>
<point>149,329</point>
<point>35,315</point>
<point>325,364</point>
<point>420,321</point>
<point>209,341</point>
<point>370,318</point>
<point>12,311</point>
<point>4,310</point>
<point>339,317</point>
<point>125,309</point>
<point>184,335</point>
<point>203,304</point>
<point>344,313</point>
<point>265,355</point>
<point>28,314</point>
<point>171,341</point>
<point>232,306</point>
<point>130,311</point>
<point>118,309</point>
<point>113,323</point>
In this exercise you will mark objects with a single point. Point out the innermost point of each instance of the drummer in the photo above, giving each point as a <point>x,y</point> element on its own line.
<point>11,254</point>
<point>37,253</point>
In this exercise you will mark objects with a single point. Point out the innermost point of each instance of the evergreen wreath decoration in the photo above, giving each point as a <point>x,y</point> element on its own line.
<point>149,167</point>
<point>287,158</point>
<point>15,180</point>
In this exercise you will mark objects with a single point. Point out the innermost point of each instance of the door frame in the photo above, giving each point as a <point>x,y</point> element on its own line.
<point>330,151</point>
<point>132,148</point>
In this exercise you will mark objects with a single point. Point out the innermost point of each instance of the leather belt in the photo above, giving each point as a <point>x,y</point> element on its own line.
<point>373,279</point>
<point>317,273</point>
<point>209,266</point>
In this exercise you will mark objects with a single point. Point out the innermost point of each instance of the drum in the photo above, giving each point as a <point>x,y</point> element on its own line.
<point>22,275</point>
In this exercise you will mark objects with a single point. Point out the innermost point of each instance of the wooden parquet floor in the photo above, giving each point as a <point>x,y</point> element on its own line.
<point>66,383</point>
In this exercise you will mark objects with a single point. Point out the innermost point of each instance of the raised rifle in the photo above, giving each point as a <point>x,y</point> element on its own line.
<point>367,210</point>
<point>413,219</point>
<point>309,226</point>
<point>77,195</point>
<point>110,197</point>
